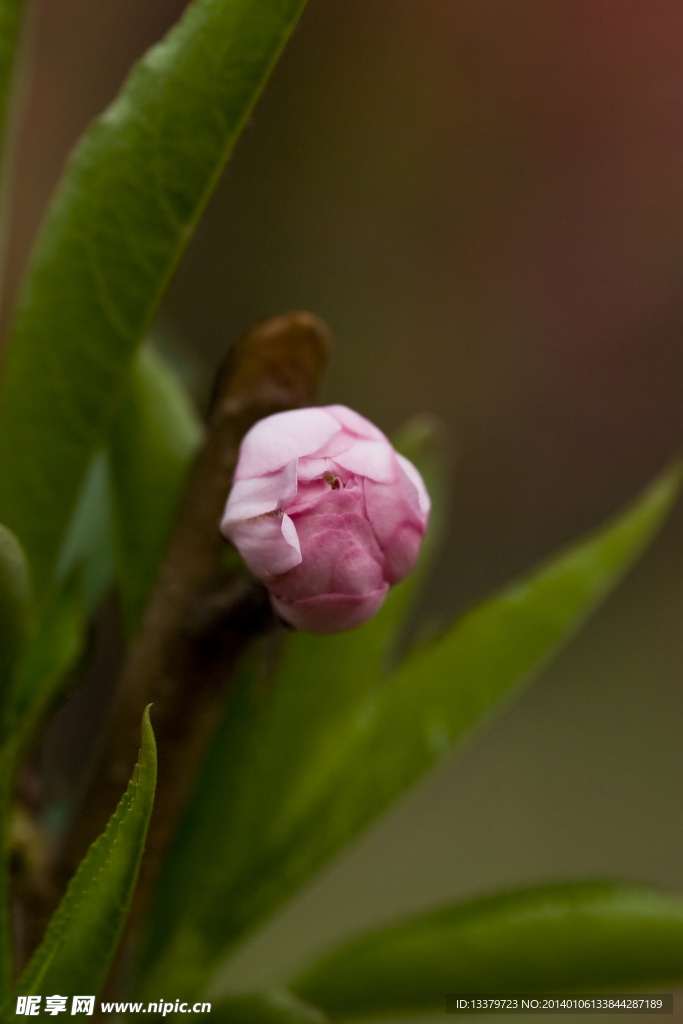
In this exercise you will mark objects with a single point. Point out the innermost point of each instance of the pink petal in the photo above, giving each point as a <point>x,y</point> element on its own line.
<point>341,442</point>
<point>401,551</point>
<point>268,544</point>
<point>313,526</point>
<point>255,497</point>
<point>313,574</point>
<point>276,440</point>
<point>356,423</point>
<point>356,572</point>
<point>424,504</point>
<point>372,459</point>
<point>311,467</point>
<point>306,496</point>
<point>388,507</point>
<point>331,613</point>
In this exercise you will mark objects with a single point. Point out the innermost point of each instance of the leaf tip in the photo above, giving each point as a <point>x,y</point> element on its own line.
<point>147,756</point>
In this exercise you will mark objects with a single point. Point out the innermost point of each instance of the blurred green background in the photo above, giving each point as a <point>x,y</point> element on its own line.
<point>484,198</point>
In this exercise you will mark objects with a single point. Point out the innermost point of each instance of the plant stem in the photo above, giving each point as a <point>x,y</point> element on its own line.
<point>200,617</point>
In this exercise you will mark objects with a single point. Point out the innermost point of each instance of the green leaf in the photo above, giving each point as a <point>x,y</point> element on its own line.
<point>306,759</point>
<point>15,605</point>
<point>130,198</point>
<point>81,939</point>
<point>554,938</point>
<point>88,546</point>
<point>160,438</point>
<point>154,434</point>
<point>46,659</point>
<point>83,574</point>
<point>49,657</point>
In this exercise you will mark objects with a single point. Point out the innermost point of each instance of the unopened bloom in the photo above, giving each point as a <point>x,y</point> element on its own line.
<point>326,513</point>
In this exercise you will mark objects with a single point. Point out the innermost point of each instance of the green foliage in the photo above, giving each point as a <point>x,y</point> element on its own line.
<point>308,757</point>
<point>50,656</point>
<point>154,434</point>
<point>81,939</point>
<point>87,549</point>
<point>555,938</point>
<point>15,605</point>
<point>131,195</point>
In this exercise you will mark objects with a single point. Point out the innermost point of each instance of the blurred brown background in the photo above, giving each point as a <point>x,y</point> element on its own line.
<point>484,198</point>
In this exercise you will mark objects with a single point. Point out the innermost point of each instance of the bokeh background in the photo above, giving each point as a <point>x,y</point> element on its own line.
<point>484,198</point>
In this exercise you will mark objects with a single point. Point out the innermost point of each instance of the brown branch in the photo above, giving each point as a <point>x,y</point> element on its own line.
<point>200,616</point>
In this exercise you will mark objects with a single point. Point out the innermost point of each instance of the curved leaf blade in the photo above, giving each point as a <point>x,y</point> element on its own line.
<point>443,689</point>
<point>153,436</point>
<point>300,767</point>
<point>555,938</point>
<point>88,546</point>
<point>81,939</point>
<point>130,198</point>
<point>84,573</point>
<point>140,479</point>
<point>51,654</point>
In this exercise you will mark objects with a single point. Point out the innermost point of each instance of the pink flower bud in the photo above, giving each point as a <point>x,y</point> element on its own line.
<point>326,513</point>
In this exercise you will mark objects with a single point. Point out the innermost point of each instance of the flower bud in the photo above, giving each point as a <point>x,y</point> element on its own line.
<point>326,513</point>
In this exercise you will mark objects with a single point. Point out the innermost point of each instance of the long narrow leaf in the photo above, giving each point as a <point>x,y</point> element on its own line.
<point>49,657</point>
<point>131,195</point>
<point>88,547</point>
<point>556,938</point>
<point>150,452</point>
<point>46,660</point>
<point>153,436</point>
<point>81,939</point>
<point>302,765</point>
